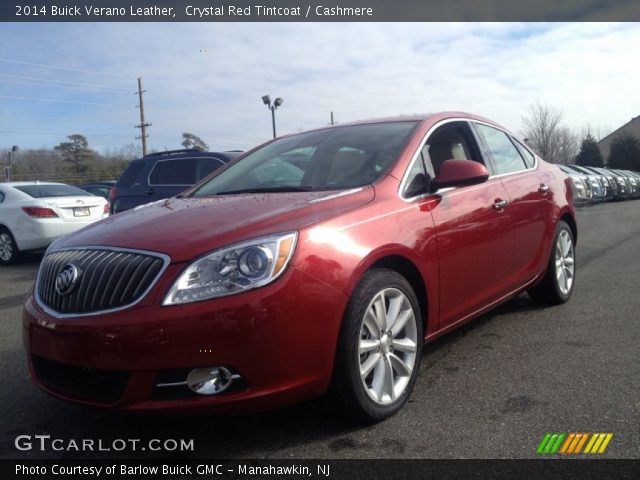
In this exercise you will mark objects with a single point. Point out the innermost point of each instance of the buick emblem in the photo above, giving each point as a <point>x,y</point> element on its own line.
<point>67,279</point>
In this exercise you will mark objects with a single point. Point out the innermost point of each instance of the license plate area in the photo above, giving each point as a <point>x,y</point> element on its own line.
<point>81,211</point>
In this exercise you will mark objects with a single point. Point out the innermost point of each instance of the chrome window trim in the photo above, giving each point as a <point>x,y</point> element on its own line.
<point>415,157</point>
<point>222,164</point>
<point>508,134</point>
<point>165,263</point>
<point>424,141</point>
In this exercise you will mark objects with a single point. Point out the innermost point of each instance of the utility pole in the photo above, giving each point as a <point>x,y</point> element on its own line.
<point>143,126</point>
<point>332,122</point>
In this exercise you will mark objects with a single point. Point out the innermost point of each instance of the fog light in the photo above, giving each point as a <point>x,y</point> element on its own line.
<point>209,381</point>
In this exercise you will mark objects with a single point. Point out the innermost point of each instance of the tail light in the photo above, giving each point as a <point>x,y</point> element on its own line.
<point>106,209</point>
<point>40,212</point>
<point>113,191</point>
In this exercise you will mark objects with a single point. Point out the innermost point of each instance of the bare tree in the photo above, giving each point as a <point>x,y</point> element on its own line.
<point>598,132</point>
<point>568,146</point>
<point>542,131</point>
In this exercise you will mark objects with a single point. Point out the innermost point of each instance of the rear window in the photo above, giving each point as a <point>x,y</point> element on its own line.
<point>45,191</point>
<point>129,176</point>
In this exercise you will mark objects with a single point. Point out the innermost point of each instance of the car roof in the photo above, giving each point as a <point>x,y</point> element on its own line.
<point>414,117</point>
<point>21,184</point>
<point>188,153</point>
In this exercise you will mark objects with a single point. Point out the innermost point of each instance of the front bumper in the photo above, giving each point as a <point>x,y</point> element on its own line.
<point>280,339</point>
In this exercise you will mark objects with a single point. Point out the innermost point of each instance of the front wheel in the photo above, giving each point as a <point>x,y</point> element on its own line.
<point>557,285</point>
<point>378,354</point>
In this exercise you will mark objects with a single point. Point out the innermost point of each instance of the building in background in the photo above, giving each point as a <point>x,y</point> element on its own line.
<point>632,127</point>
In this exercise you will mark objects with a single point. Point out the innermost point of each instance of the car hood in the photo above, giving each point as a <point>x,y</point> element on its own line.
<point>184,228</point>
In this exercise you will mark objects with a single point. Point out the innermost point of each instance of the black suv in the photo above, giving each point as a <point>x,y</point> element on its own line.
<point>163,175</point>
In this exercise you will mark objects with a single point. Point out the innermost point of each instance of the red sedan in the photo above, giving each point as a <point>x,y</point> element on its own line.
<point>318,261</point>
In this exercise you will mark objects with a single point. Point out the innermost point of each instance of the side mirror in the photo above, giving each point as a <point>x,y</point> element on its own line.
<point>418,186</point>
<point>457,173</point>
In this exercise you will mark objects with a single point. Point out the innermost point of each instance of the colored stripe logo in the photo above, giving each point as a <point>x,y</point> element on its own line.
<point>574,443</point>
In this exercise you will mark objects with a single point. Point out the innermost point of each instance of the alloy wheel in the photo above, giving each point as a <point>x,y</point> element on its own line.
<point>387,346</point>
<point>565,262</point>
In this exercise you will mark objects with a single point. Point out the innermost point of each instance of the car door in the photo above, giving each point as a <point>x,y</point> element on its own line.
<point>473,233</point>
<point>530,204</point>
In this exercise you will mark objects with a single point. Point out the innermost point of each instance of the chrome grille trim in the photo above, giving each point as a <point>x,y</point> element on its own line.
<point>123,280</point>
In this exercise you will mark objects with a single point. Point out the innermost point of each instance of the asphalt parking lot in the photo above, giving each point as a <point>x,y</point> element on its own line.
<point>492,389</point>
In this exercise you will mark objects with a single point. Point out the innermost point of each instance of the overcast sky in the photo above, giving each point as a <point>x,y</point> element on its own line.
<point>59,79</point>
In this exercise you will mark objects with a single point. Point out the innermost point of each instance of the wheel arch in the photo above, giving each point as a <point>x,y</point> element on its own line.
<point>571,221</point>
<point>408,270</point>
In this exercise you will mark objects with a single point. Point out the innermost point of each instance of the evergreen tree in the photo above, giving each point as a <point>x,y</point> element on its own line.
<point>589,155</point>
<point>76,151</point>
<point>625,152</point>
<point>189,140</point>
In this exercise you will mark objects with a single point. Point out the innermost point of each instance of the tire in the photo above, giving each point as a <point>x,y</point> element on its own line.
<point>9,252</point>
<point>558,282</point>
<point>375,383</point>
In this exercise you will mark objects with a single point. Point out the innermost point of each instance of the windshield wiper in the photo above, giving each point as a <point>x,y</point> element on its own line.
<point>267,190</point>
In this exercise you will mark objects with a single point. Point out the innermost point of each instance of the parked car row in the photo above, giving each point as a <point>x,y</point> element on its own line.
<point>596,184</point>
<point>34,214</point>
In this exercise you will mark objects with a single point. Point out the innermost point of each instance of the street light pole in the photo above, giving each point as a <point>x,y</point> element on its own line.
<point>13,150</point>
<point>273,119</point>
<point>266,99</point>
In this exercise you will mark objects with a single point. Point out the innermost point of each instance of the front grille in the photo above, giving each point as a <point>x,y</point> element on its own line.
<point>107,279</point>
<point>91,384</point>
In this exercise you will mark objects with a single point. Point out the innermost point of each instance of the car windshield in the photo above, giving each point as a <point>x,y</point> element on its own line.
<point>331,159</point>
<point>46,191</point>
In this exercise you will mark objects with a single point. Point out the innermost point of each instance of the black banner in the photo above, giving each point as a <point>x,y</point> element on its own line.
<point>319,469</point>
<point>316,11</point>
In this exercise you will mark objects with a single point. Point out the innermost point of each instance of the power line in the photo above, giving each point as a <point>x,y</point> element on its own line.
<point>60,101</point>
<point>48,85</point>
<point>63,82</point>
<point>40,65</point>
<point>63,120</point>
<point>47,132</point>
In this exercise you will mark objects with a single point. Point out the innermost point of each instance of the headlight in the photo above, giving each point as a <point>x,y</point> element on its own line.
<point>233,269</point>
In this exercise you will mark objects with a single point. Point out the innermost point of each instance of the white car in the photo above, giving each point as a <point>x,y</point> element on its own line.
<point>34,214</point>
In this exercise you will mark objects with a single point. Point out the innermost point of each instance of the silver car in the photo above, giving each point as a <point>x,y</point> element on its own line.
<point>582,193</point>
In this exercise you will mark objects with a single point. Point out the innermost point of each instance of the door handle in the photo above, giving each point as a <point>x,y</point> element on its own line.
<point>500,204</point>
<point>543,188</point>
<point>149,191</point>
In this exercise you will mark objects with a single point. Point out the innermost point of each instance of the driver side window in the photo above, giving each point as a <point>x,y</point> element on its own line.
<point>451,141</point>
